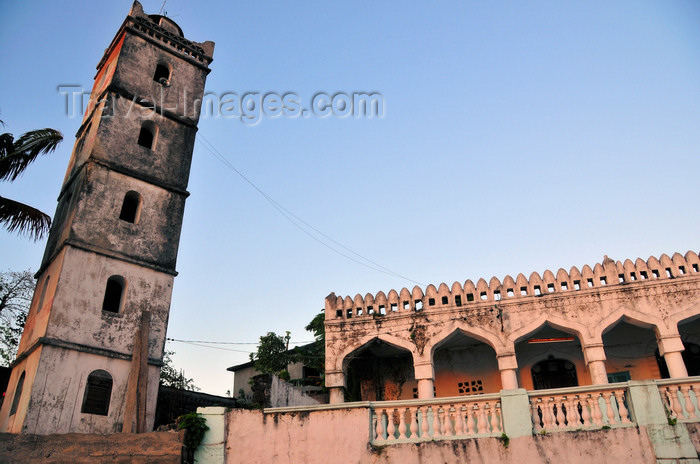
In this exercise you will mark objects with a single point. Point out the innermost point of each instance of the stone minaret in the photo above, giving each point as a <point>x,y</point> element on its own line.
<point>90,356</point>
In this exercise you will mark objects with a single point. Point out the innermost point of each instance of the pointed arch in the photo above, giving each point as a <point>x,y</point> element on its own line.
<point>574,328</point>
<point>476,333</point>
<point>633,317</point>
<point>341,361</point>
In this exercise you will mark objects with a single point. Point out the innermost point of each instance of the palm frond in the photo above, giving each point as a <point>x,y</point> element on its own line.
<point>23,219</point>
<point>25,150</point>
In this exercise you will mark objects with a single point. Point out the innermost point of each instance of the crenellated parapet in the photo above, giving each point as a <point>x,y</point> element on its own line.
<point>601,276</point>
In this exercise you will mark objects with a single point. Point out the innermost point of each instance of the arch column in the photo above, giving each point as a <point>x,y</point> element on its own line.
<point>594,356</point>
<point>425,375</point>
<point>671,347</point>
<point>335,381</point>
<point>508,365</point>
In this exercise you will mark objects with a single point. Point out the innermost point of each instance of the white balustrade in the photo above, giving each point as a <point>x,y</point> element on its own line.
<point>680,397</point>
<point>439,418</point>
<point>578,408</point>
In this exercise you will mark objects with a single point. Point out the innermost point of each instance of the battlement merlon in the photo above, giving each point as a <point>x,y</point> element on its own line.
<point>164,32</point>
<point>605,274</point>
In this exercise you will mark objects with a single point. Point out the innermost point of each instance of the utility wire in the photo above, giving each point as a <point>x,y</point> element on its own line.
<point>290,216</point>
<point>226,343</point>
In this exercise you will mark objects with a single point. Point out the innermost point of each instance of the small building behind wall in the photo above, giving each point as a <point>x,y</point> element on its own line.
<point>612,322</point>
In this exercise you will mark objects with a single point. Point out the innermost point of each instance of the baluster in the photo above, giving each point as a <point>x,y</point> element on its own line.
<point>621,408</point>
<point>447,421</point>
<point>481,425</point>
<point>595,408</point>
<point>494,419</point>
<point>459,420</point>
<point>548,415</point>
<point>414,423</point>
<point>390,429</point>
<point>536,425</point>
<point>438,431</point>
<point>689,406</point>
<point>608,408</point>
<point>675,404</point>
<point>470,420</point>
<point>379,425</point>
<point>565,413</point>
<point>500,417</point>
<point>402,423</point>
<point>557,413</point>
<point>425,425</point>
<point>585,413</point>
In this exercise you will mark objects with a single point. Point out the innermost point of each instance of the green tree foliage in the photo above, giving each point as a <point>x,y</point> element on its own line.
<point>171,377</point>
<point>314,355</point>
<point>272,356</point>
<point>16,290</point>
<point>15,156</point>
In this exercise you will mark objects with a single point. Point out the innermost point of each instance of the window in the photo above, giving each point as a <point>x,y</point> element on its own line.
<point>162,75</point>
<point>98,391</point>
<point>131,207</point>
<point>458,300</point>
<point>18,394</point>
<point>554,373</point>
<point>469,387</point>
<point>622,376</point>
<point>114,294</point>
<point>147,135</point>
<point>431,301</point>
<point>445,300</point>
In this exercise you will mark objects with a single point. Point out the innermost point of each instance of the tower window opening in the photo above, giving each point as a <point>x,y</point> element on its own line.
<point>162,75</point>
<point>98,391</point>
<point>18,394</point>
<point>131,207</point>
<point>114,294</point>
<point>147,135</point>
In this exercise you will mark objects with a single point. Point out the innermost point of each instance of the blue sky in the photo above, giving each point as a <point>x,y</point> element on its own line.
<point>517,137</point>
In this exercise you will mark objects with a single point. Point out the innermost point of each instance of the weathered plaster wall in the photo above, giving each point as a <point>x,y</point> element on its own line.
<point>283,394</point>
<point>146,448</point>
<point>57,394</point>
<point>82,291</point>
<point>341,436</point>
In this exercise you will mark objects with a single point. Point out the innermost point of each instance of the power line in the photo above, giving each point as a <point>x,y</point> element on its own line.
<point>297,221</point>
<point>227,343</point>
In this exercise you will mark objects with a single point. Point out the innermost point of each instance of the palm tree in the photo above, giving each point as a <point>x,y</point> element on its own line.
<point>15,156</point>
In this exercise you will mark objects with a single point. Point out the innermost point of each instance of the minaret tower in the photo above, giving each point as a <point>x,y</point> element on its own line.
<point>90,356</point>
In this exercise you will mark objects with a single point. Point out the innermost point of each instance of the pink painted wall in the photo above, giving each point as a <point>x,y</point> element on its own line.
<point>341,436</point>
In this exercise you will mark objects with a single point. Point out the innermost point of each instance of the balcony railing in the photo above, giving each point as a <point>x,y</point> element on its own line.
<point>680,397</point>
<point>436,419</point>
<point>573,408</point>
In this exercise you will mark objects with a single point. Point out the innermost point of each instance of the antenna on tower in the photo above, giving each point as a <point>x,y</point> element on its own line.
<point>163,6</point>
